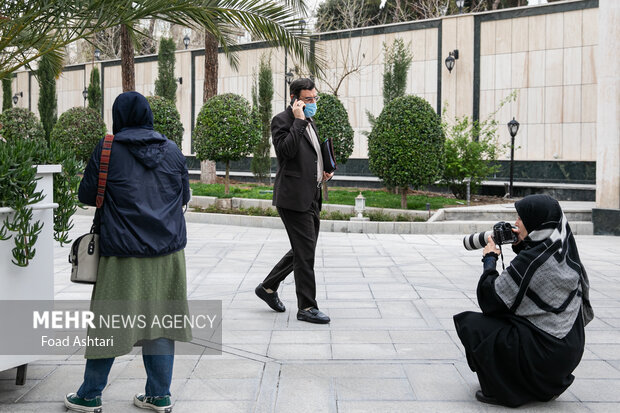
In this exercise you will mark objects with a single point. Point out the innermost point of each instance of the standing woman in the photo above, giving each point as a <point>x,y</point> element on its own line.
<point>530,335</point>
<point>142,237</point>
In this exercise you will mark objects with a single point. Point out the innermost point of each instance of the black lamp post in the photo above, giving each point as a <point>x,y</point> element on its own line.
<point>17,96</point>
<point>85,95</point>
<point>97,54</point>
<point>513,128</point>
<point>459,4</point>
<point>186,41</point>
<point>451,59</point>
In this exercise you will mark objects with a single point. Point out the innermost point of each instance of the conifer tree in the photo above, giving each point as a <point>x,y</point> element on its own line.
<point>47,94</point>
<point>94,91</point>
<point>166,85</point>
<point>261,162</point>
<point>7,94</point>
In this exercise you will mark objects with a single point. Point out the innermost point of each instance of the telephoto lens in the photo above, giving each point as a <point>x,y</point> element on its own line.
<point>476,241</point>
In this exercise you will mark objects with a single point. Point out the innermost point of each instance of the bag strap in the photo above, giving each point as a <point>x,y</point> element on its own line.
<point>103,169</point>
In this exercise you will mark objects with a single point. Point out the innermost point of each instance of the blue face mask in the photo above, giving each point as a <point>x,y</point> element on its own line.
<point>310,110</point>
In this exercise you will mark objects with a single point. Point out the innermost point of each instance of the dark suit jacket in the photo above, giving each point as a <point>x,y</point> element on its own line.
<point>296,179</point>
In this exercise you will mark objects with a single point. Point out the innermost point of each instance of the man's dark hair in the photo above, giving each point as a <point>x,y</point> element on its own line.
<point>298,85</point>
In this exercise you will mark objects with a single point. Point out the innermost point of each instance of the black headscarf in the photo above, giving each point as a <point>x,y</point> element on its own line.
<point>131,110</point>
<point>539,212</point>
<point>546,282</point>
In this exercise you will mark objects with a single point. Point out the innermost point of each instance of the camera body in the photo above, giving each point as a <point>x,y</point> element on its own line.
<point>502,234</point>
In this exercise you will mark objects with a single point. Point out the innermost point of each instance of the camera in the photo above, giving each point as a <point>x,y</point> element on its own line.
<point>502,234</point>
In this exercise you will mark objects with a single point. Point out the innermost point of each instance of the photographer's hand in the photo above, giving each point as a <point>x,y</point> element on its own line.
<point>490,247</point>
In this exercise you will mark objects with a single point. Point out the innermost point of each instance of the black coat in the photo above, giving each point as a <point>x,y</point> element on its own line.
<point>515,361</point>
<point>147,186</point>
<point>296,180</point>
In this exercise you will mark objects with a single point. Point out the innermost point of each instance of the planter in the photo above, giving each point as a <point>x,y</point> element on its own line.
<point>36,281</point>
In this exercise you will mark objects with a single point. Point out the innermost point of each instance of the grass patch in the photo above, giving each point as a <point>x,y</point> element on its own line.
<point>383,217</point>
<point>252,211</point>
<point>251,191</point>
<point>384,199</point>
<point>338,196</point>
<point>328,215</point>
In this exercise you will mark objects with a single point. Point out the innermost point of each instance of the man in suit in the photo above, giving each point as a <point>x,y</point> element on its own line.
<point>297,196</point>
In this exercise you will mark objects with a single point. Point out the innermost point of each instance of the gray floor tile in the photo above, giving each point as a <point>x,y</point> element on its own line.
<point>391,345</point>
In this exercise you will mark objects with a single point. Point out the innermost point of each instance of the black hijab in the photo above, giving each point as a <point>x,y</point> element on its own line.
<point>539,212</point>
<point>131,110</point>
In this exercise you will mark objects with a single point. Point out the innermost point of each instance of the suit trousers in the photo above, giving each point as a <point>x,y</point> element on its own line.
<point>303,231</point>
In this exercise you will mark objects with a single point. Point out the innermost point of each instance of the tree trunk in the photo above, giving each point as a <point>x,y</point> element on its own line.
<point>211,67</point>
<point>227,179</point>
<point>403,199</point>
<point>128,73</point>
<point>207,168</point>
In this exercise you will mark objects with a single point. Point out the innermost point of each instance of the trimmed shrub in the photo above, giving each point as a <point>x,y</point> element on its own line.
<point>226,130</point>
<point>78,130</point>
<point>332,121</point>
<point>20,123</point>
<point>166,119</point>
<point>405,148</point>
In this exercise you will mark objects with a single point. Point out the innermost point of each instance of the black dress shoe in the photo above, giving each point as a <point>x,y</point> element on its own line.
<point>271,299</point>
<point>481,397</point>
<point>313,315</point>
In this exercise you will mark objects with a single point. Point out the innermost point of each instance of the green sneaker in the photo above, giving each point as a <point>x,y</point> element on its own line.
<point>78,404</point>
<point>159,404</point>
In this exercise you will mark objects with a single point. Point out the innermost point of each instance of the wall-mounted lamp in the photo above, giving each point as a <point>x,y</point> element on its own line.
<point>289,77</point>
<point>85,95</point>
<point>17,96</point>
<point>451,59</point>
<point>186,41</point>
<point>302,25</point>
<point>460,4</point>
<point>513,128</point>
<point>180,80</point>
<point>97,54</point>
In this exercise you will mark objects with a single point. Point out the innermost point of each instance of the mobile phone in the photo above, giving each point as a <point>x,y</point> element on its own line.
<point>293,101</point>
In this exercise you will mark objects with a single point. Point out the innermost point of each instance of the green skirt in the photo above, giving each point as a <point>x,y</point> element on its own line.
<point>137,299</point>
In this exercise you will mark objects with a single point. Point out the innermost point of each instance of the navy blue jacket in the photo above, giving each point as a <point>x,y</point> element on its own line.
<point>147,186</point>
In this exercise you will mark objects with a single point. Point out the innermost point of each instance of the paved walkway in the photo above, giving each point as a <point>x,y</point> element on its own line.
<point>391,346</point>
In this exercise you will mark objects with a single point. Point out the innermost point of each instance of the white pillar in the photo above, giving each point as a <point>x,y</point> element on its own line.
<point>608,121</point>
<point>606,215</point>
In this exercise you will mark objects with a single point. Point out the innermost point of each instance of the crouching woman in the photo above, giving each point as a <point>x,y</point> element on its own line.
<point>530,335</point>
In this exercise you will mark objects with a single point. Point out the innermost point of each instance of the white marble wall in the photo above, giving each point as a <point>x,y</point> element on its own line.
<point>550,60</point>
<point>608,120</point>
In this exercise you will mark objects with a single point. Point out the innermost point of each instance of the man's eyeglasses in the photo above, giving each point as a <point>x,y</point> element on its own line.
<point>310,99</point>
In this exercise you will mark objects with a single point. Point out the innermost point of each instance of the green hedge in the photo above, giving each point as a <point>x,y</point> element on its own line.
<point>20,123</point>
<point>405,148</point>
<point>78,130</point>
<point>166,119</point>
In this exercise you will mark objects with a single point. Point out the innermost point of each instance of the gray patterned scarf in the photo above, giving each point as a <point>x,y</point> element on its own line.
<point>546,283</point>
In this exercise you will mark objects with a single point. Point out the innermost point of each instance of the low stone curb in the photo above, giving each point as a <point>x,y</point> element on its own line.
<point>236,203</point>
<point>357,227</point>
<point>367,227</point>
